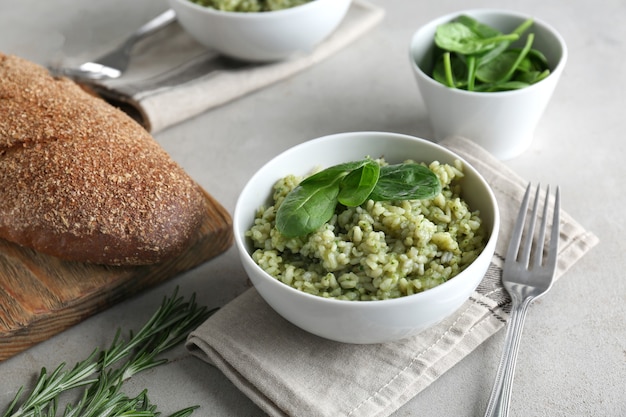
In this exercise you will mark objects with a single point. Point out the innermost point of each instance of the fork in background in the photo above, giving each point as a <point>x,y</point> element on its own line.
<point>525,278</point>
<point>114,63</point>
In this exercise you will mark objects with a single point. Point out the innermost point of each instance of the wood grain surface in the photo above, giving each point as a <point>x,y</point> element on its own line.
<point>41,296</point>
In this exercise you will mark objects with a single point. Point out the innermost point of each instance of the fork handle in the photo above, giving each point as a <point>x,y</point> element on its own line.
<point>500,398</point>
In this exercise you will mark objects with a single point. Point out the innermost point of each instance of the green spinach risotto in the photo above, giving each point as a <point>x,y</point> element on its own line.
<point>377,250</point>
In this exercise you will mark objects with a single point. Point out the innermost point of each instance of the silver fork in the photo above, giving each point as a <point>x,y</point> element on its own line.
<point>114,63</point>
<point>526,278</point>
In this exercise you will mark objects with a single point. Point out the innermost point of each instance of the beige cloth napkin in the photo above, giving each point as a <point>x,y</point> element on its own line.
<point>173,78</point>
<point>289,372</point>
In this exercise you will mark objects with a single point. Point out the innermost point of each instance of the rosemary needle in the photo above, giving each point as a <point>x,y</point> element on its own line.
<point>103,372</point>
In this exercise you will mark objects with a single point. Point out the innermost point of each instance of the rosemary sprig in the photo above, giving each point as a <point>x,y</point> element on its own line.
<point>103,372</point>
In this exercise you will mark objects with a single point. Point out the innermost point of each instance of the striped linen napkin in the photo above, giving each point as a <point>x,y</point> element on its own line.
<point>172,78</point>
<point>287,371</point>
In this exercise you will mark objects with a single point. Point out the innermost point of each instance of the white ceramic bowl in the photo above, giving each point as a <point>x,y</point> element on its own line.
<point>363,321</point>
<point>501,122</point>
<point>262,36</point>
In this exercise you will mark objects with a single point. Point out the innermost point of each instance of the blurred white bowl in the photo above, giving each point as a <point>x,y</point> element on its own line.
<point>501,122</point>
<point>261,36</point>
<point>363,321</point>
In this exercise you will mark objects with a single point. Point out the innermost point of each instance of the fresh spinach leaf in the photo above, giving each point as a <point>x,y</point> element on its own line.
<point>456,37</point>
<point>531,77</point>
<point>496,70</point>
<point>494,53</point>
<point>482,30</point>
<point>538,58</point>
<point>312,203</point>
<point>358,185</point>
<point>407,181</point>
<point>306,208</point>
<point>333,173</point>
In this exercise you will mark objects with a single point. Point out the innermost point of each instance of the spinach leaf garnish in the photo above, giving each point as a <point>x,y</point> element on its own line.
<point>473,56</point>
<point>313,202</point>
<point>358,184</point>
<point>405,182</point>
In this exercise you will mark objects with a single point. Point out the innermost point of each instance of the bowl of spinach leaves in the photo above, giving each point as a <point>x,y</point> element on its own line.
<point>487,75</point>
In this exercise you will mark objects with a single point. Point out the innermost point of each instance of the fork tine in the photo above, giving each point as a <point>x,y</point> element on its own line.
<point>538,252</point>
<point>525,258</point>
<point>554,235</point>
<point>518,229</point>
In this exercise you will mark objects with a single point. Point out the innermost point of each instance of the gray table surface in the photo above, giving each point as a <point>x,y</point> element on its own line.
<point>573,355</point>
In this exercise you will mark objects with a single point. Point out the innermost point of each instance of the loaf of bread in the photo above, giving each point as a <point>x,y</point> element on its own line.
<point>82,181</point>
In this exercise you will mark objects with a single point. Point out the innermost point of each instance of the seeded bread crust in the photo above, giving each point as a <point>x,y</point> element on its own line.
<point>82,181</point>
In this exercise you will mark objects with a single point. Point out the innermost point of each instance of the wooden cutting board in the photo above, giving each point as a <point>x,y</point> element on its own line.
<point>41,296</point>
